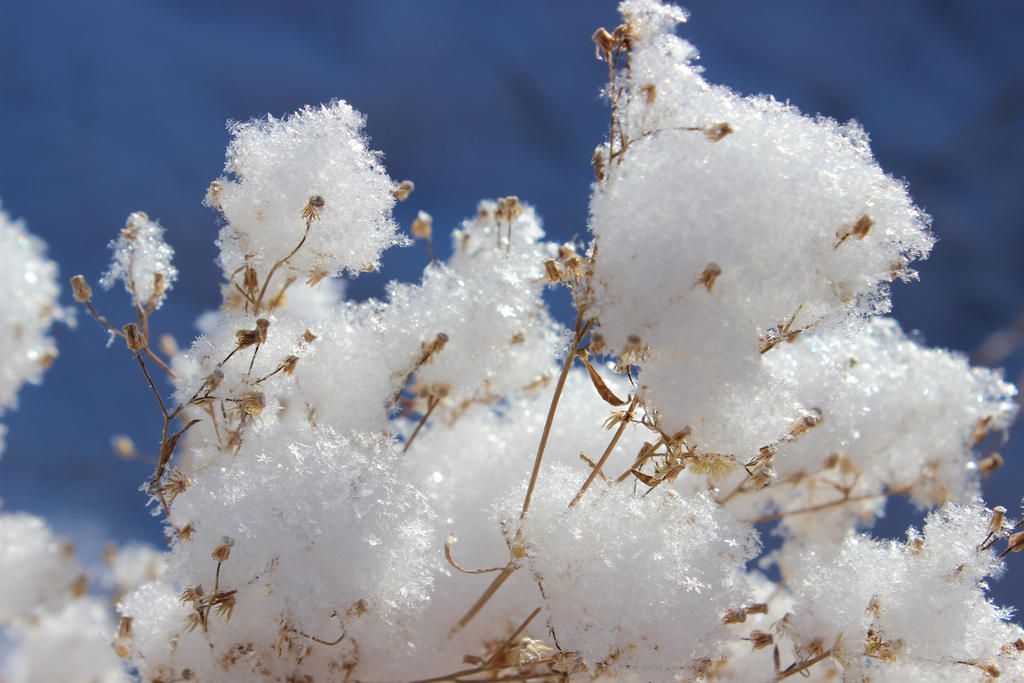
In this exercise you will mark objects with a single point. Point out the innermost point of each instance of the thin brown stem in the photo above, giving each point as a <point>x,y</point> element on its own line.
<point>581,332</point>
<point>431,404</point>
<point>273,269</point>
<point>802,666</point>
<point>482,600</point>
<point>152,386</point>
<point>607,451</point>
<point>825,506</point>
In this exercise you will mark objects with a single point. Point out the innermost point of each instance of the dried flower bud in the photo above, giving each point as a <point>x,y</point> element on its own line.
<point>858,230</point>
<point>553,273</point>
<point>168,346</point>
<point>251,281</point>
<point>159,286</point>
<point>757,608</point>
<point>79,586</point>
<point>995,525</point>
<point>761,639</point>
<point>124,628</point>
<point>222,552</point>
<point>597,343</point>
<point>123,651</point>
<point>421,227</point>
<point>309,336</point>
<point>599,164</point>
<point>403,190</point>
<point>990,464</point>
<point>1015,544</point>
<point>311,211</point>
<point>133,337</point>
<point>288,364</point>
<point>124,447</point>
<point>80,289</point>
<point>650,93</point>
<point>185,532</point>
<point>252,403</point>
<point>807,422</point>
<point>735,616</point>
<point>717,131</point>
<point>708,276</point>
<point>604,41</point>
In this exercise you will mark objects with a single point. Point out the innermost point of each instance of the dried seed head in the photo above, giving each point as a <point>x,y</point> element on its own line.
<point>185,532</point>
<point>403,190</point>
<point>509,208</point>
<point>990,464</point>
<point>123,651</point>
<point>634,352</point>
<point>123,446</point>
<point>223,551</point>
<point>995,525</point>
<point>717,131</point>
<point>213,194</point>
<point>858,230</point>
<point>807,422</point>
<point>309,336</point>
<point>599,164</point>
<point>251,281</point>
<point>763,477</point>
<point>604,43</point>
<point>311,211</point>
<point>316,276</point>
<point>422,226</point>
<point>79,586</point>
<point>261,328</point>
<point>518,338</point>
<point>650,93</point>
<point>554,275</point>
<point>433,347</point>
<point>735,616</point>
<point>124,628</point>
<point>1015,544</point>
<point>761,639</point>
<point>159,286</point>
<point>757,608</point>
<point>288,364</point>
<point>133,337</point>
<point>225,604</point>
<point>131,226</point>
<point>168,346</point>
<point>708,276</point>
<point>80,289</point>
<point>252,403</point>
<point>597,343</point>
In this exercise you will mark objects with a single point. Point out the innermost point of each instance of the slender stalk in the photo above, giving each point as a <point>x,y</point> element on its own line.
<point>482,600</point>
<point>803,666</point>
<point>825,506</point>
<point>581,331</point>
<point>608,451</point>
<point>430,408</point>
<point>270,275</point>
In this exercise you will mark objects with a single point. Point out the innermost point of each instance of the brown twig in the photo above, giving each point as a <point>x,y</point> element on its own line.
<point>431,404</point>
<point>825,506</point>
<point>607,451</point>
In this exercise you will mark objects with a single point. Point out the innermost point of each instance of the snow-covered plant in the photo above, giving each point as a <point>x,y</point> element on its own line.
<point>449,484</point>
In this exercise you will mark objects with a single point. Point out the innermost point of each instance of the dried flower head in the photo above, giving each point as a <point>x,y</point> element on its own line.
<point>80,289</point>
<point>404,189</point>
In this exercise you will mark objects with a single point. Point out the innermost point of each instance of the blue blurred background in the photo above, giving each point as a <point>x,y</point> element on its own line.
<point>113,106</point>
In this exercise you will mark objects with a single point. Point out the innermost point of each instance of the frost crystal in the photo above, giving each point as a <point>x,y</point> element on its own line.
<point>142,261</point>
<point>307,173</point>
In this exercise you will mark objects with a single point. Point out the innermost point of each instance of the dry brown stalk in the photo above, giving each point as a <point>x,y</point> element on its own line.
<point>824,506</point>
<point>607,451</point>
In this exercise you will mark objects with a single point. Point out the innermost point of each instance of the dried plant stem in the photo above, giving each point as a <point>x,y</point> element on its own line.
<point>273,269</point>
<point>825,506</point>
<point>800,667</point>
<point>431,404</point>
<point>512,638</point>
<point>607,451</point>
<point>149,352</point>
<point>482,600</point>
<point>581,332</point>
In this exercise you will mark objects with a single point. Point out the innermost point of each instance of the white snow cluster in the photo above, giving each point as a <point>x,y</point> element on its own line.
<point>428,486</point>
<point>57,632</point>
<point>28,306</point>
<point>142,261</point>
<point>725,225</point>
<point>276,167</point>
<point>910,611</point>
